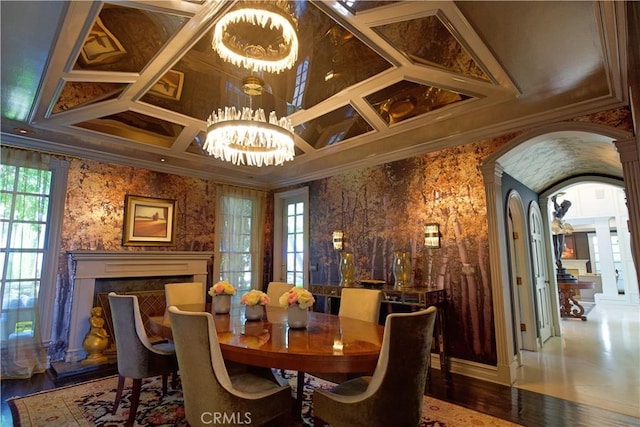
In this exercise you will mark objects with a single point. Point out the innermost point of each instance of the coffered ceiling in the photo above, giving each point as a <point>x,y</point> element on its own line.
<point>134,82</point>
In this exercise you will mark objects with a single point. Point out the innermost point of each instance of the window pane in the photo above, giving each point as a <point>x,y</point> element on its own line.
<point>6,200</point>
<point>31,208</point>
<point>24,265</point>
<point>291,261</point>
<point>4,233</point>
<point>28,235</point>
<point>34,181</point>
<point>20,294</point>
<point>300,243</point>
<point>7,177</point>
<point>299,224</point>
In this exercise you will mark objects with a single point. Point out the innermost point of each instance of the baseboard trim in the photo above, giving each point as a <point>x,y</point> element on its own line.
<point>468,368</point>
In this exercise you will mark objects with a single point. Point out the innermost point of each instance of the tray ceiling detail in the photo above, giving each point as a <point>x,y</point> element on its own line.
<point>137,80</point>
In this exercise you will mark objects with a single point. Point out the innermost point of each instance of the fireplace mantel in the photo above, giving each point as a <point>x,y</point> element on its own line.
<point>87,266</point>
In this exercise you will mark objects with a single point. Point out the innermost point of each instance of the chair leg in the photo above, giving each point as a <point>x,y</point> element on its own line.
<point>116,402</point>
<point>174,379</point>
<point>165,378</point>
<point>135,400</point>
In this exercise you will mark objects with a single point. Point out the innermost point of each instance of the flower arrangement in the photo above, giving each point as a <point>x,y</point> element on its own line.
<point>297,295</point>
<point>222,288</point>
<point>255,297</point>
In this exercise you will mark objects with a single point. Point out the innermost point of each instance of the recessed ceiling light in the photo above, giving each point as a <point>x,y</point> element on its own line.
<point>22,131</point>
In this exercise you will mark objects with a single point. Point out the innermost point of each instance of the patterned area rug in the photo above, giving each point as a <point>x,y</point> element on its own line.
<point>90,403</point>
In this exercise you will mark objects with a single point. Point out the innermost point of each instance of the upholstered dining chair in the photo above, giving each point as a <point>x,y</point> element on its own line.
<point>393,394</point>
<point>275,291</point>
<point>361,304</point>
<point>188,296</point>
<point>207,386</point>
<point>137,357</point>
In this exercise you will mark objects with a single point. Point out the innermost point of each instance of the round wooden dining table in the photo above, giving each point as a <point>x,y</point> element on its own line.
<point>329,343</point>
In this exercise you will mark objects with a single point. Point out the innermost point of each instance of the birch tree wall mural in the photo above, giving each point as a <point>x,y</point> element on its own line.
<point>383,209</point>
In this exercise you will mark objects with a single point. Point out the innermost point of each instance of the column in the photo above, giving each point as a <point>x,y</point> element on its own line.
<point>607,270</point>
<point>498,259</point>
<point>629,150</point>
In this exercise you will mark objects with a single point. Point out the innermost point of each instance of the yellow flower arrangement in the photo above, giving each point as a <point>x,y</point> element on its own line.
<point>255,297</point>
<point>297,295</point>
<point>222,288</point>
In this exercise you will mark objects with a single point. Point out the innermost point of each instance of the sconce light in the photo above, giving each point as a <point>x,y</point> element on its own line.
<point>432,235</point>
<point>337,240</point>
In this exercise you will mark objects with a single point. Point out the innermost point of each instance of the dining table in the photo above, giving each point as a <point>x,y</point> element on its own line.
<point>328,344</point>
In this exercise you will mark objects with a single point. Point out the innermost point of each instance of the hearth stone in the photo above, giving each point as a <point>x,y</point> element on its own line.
<point>67,372</point>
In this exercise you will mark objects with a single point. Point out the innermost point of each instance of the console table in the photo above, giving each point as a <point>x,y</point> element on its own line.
<point>414,298</point>
<point>569,306</point>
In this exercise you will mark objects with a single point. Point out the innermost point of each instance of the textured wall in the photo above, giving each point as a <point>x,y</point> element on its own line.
<point>94,214</point>
<point>94,206</point>
<point>383,209</point>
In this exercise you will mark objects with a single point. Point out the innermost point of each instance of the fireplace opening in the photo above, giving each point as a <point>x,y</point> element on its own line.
<point>151,299</point>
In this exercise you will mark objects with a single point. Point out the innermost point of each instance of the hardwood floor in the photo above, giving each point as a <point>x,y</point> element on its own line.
<point>519,406</point>
<point>567,374</point>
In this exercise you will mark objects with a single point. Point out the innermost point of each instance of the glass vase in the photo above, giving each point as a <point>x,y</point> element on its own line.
<point>402,269</point>
<point>347,269</point>
<point>222,304</point>
<point>297,317</point>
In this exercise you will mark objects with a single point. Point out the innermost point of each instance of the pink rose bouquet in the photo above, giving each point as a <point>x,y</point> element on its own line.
<point>297,295</point>
<point>255,297</point>
<point>222,288</point>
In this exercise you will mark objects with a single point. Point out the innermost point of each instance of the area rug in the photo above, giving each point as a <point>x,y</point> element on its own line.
<point>90,403</point>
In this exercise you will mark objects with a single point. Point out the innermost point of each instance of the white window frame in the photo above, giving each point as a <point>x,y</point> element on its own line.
<point>279,232</point>
<point>48,284</point>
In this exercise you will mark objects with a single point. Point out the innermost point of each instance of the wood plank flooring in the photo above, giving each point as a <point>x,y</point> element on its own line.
<point>519,406</point>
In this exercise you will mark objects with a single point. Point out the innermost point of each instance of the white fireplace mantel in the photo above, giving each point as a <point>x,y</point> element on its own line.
<point>87,266</point>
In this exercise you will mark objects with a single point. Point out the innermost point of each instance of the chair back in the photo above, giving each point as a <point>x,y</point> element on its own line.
<point>202,369</point>
<point>188,296</point>
<point>131,339</point>
<point>401,373</point>
<point>275,291</point>
<point>361,304</point>
<point>206,384</point>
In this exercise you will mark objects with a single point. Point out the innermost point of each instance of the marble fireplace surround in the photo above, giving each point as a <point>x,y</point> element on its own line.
<point>87,266</point>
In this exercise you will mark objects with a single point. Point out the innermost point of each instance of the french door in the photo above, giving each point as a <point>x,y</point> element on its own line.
<point>291,237</point>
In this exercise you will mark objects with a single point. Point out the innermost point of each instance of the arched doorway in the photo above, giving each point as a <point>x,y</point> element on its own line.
<point>543,157</point>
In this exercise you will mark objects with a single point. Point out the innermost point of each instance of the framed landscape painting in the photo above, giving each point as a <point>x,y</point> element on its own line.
<point>149,221</point>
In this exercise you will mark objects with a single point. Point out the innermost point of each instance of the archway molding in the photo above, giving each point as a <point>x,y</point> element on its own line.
<point>492,170</point>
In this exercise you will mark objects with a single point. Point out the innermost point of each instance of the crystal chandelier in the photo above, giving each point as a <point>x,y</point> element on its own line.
<point>259,37</point>
<point>273,47</point>
<point>245,137</point>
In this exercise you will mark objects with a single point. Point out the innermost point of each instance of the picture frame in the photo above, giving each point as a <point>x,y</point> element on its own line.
<point>149,221</point>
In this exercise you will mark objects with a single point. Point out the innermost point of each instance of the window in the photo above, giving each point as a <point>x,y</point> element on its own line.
<point>25,206</point>
<point>291,226</point>
<point>294,267</point>
<point>301,82</point>
<point>240,225</point>
<point>32,188</point>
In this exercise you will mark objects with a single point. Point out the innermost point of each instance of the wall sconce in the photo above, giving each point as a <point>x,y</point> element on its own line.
<point>337,240</point>
<point>432,235</point>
